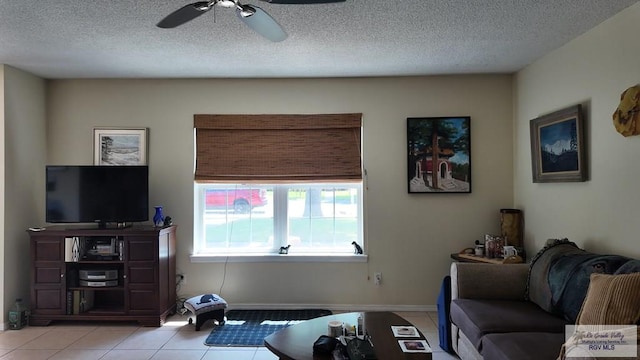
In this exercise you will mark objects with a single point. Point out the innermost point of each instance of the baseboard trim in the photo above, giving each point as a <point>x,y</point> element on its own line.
<point>335,307</point>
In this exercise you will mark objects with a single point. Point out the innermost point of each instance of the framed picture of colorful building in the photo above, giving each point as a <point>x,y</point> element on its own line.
<point>439,154</point>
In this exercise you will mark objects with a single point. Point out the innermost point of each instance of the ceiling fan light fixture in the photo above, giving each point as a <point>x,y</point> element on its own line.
<point>204,5</point>
<point>226,3</point>
<point>247,10</point>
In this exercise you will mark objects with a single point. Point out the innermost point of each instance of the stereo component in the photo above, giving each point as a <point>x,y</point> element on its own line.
<point>99,283</point>
<point>98,274</point>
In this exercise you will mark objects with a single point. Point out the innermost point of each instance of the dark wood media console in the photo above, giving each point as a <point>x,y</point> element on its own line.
<point>143,256</point>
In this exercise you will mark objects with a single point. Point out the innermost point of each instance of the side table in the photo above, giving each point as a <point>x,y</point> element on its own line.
<point>481,259</point>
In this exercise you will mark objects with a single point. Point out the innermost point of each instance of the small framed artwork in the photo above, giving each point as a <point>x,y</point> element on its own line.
<point>120,146</point>
<point>557,146</point>
<point>439,154</point>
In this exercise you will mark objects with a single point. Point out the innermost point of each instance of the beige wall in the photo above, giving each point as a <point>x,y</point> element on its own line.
<point>410,237</point>
<point>22,167</point>
<point>603,213</point>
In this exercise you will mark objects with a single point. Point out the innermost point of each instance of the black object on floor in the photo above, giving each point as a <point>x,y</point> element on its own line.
<point>250,327</point>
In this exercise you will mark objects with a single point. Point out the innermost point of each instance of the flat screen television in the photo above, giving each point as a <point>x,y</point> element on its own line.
<point>97,194</point>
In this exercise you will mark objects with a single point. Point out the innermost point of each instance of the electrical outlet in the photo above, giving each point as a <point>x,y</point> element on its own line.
<point>377,278</point>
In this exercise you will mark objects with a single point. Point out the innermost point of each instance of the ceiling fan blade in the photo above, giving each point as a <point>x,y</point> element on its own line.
<point>263,24</point>
<point>184,14</point>
<point>303,2</point>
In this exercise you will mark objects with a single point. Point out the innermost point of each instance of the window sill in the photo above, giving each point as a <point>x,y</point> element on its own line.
<point>324,258</point>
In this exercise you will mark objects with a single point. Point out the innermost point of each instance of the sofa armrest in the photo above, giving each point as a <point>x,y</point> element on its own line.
<point>488,281</point>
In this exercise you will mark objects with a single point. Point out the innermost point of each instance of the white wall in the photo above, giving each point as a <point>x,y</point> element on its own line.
<point>602,214</point>
<point>22,167</point>
<point>410,237</point>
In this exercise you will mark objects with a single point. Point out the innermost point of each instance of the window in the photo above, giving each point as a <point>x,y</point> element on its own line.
<point>260,219</point>
<point>267,182</point>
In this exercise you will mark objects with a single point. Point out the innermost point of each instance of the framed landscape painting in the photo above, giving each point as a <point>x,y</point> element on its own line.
<point>119,146</point>
<point>439,154</point>
<point>557,147</point>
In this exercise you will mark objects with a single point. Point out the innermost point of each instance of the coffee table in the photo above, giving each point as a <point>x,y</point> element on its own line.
<point>296,342</point>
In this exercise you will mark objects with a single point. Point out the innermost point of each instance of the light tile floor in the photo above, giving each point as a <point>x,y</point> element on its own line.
<point>175,340</point>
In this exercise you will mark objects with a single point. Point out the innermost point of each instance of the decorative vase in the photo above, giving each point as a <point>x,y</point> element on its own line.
<point>158,218</point>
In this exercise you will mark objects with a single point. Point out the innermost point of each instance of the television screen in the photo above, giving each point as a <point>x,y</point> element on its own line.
<point>102,194</point>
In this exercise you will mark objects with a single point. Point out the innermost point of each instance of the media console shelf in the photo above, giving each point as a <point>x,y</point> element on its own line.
<point>116,274</point>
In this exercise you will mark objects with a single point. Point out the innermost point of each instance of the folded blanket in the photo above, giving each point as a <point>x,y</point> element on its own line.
<point>559,276</point>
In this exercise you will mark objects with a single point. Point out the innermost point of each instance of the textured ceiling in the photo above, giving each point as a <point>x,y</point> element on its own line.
<point>106,39</point>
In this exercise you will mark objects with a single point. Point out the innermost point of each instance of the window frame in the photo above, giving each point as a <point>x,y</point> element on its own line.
<point>280,203</point>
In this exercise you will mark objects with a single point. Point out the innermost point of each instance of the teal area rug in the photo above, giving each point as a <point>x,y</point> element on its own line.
<point>250,327</point>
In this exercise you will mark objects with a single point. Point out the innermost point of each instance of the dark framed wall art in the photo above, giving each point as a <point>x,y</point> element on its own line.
<point>557,146</point>
<point>439,154</point>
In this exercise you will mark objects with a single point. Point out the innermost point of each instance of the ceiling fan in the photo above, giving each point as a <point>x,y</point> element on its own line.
<point>254,17</point>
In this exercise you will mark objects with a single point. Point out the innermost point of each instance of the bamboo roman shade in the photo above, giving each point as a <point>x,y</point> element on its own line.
<point>278,148</point>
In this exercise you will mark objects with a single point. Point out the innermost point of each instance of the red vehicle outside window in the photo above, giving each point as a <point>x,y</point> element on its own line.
<point>240,200</point>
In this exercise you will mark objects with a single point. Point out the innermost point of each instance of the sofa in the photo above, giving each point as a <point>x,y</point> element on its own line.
<point>519,311</point>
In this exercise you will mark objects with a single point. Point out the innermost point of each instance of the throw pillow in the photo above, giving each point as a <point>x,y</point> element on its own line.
<point>611,300</point>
